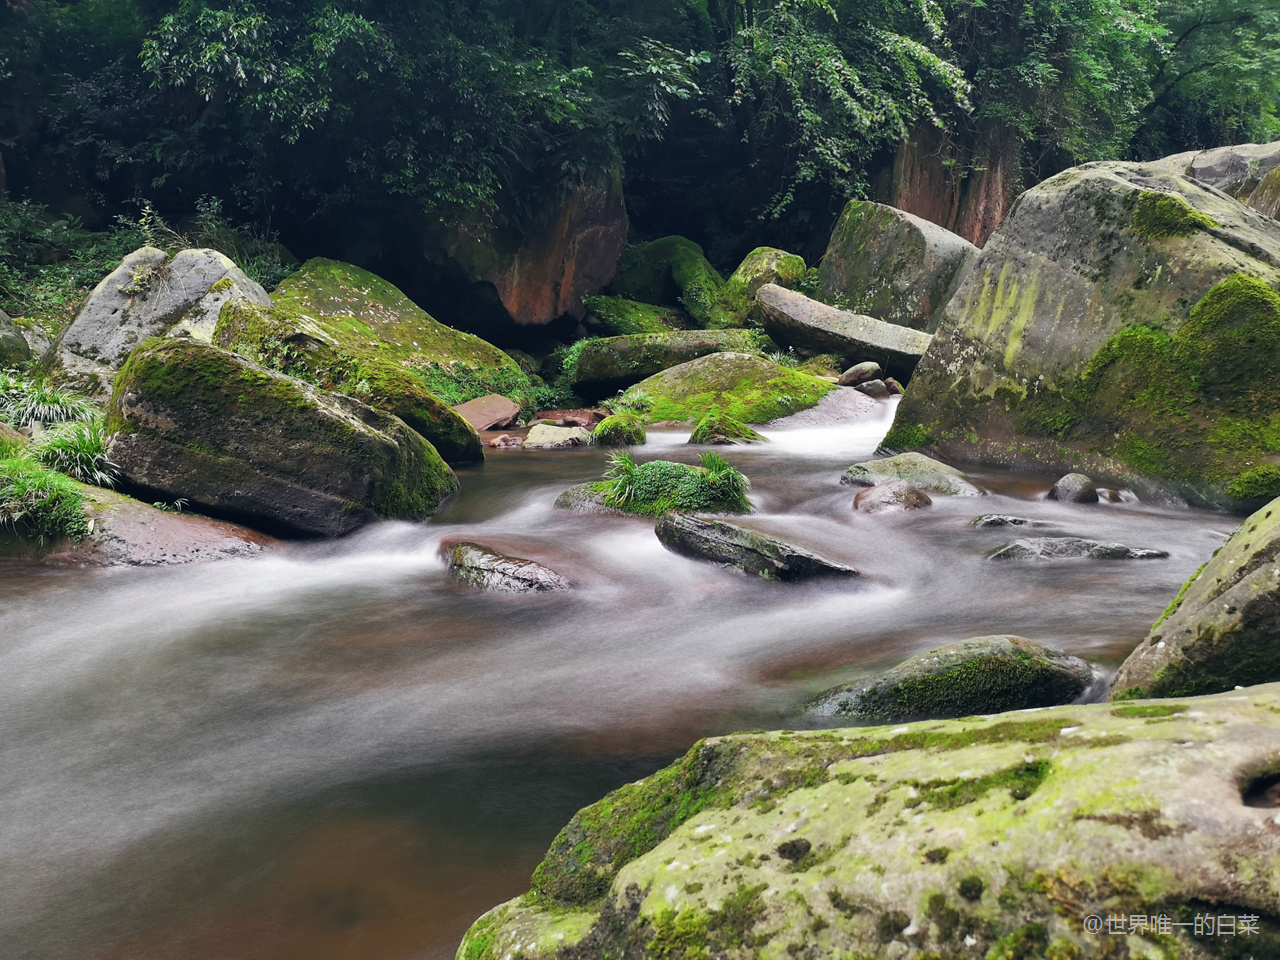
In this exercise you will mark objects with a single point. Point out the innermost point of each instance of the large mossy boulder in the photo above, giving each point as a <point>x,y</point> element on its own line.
<point>200,424</point>
<point>979,675</point>
<point>603,367</point>
<point>1223,628</point>
<point>735,305</point>
<point>792,319</point>
<point>750,551</point>
<point>620,317</point>
<point>994,837</point>
<point>1122,321</point>
<point>891,265</point>
<point>743,386</point>
<point>671,271</point>
<point>143,297</point>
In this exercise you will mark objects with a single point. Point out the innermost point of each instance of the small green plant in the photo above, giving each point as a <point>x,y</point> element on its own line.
<point>37,401</point>
<point>634,400</point>
<point>79,450</point>
<point>658,486</point>
<point>38,502</point>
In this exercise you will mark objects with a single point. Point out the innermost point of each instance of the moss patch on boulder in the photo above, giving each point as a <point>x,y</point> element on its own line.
<point>718,427</point>
<point>620,317</point>
<point>1158,216</point>
<point>599,368</point>
<point>745,387</point>
<point>670,271</point>
<point>620,430</point>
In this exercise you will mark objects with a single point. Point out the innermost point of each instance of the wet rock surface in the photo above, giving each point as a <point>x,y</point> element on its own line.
<point>1074,488</point>
<point>916,469</point>
<point>482,566</point>
<point>1072,548</point>
<point>895,496</point>
<point>756,553</point>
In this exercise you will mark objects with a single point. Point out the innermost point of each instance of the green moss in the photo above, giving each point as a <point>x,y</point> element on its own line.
<point>1158,216</point>
<point>717,427</point>
<point>746,388</point>
<point>480,942</point>
<point>693,934</point>
<point>39,503</point>
<point>1020,780</point>
<point>622,317</point>
<point>671,271</point>
<point>1176,602</point>
<point>1257,483</point>
<point>908,436</point>
<point>620,430</point>
<point>1149,710</point>
<point>660,486</point>
<point>1026,943</point>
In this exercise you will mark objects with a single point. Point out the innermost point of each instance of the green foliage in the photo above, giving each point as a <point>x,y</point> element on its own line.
<point>1020,780</point>
<point>620,429</point>
<point>40,503</point>
<point>27,402</point>
<point>79,450</point>
<point>659,486</point>
<point>1158,216</point>
<point>633,400</point>
<point>1256,483</point>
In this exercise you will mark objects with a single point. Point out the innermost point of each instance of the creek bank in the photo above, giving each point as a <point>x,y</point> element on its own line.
<point>718,541</point>
<point>981,675</point>
<point>999,833</point>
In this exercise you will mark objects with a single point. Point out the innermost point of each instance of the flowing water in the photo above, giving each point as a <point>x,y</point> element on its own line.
<point>337,751</point>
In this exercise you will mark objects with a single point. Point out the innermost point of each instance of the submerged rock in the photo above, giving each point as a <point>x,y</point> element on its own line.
<point>895,496</point>
<point>606,366</point>
<point>197,423</point>
<point>482,566</point>
<point>749,551</point>
<point>1004,520</point>
<point>980,675</point>
<point>916,469</point>
<point>1071,548</point>
<point>543,436</point>
<point>792,318</point>
<point>890,264</point>
<point>1074,488</point>
<point>993,837</point>
<point>744,386</point>
<point>1222,629</point>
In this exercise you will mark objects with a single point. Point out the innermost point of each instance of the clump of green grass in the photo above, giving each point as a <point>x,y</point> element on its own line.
<point>79,450</point>
<point>27,402</point>
<point>38,502</point>
<point>659,486</point>
<point>634,400</point>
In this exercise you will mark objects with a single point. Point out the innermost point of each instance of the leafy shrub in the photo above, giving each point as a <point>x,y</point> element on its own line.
<point>634,400</point>
<point>79,450</point>
<point>38,502</point>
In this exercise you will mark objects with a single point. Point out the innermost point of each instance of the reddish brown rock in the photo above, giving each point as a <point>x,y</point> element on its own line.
<point>571,418</point>
<point>892,497</point>
<point>492,412</point>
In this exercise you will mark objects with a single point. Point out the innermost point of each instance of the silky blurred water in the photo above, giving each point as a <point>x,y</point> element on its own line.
<point>338,751</point>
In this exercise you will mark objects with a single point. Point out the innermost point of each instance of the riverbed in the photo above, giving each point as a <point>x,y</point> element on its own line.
<point>338,751</point>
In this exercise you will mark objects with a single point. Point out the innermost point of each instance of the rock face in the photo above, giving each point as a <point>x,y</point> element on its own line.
<point>1235,170</point>
<point>717,428</point>
<point>1074,488</point>
<point>606,366</point>
<point>1222,628</point>
<point>1117,315</point>
<point>201,424</point>
<point>892,265</point>
<point>743,386</point>
<point>400,392</point>
<point>993,837</point>
<point>1072,548</point>
<point>544,436</point>
<point>916,469</point>
<point>980,675</point>
<point>751,552</point>
<point>492,412</point>
<point>13,345</point>
<point>896,496</point>
<point>792,318</point>
<point>143,297</point>
<point>484,567</point>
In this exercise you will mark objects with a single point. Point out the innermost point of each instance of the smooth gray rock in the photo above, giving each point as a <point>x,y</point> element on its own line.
<point>584,498</point>
<point>13,345</point>
<point>1235,170</point>
<point>896,496</point>
<point>1004,520</point>
<point>860,373</point>
<point>544,436</point>
<point>1070,548</point>
<point>891,264</point>
<point>482,566</point>
<point>750,552</point>
<point>1074,488</point>
<point>792,318</point>
<point>981,675</point>
<point>876,389</point>
<point>143,297</point>
<point>916,469</point>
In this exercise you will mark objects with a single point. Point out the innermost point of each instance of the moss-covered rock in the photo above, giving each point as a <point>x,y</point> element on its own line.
<point>750,551</point>
<point>401,392</point>
<point>979,675</point>
<point>603,367</point>
<point>620,317</point>
<point>891,265</point>
<point>1221,630</point>
<point>720,428</point>
<point>671,271</point>
<point>916,469</point>
<point>620,430</point>
<point>994,837</point>
<point>1266,198</point>
<point>198,423</point>
<point>1122,322</point>
<point>740,385</point>
<point>656,487</point>
<point>14,350</point>
<point>734,304</point>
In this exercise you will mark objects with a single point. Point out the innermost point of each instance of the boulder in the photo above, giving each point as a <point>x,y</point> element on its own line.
<point>736,300</point>
<point>1266,198</point>
<point>996,837</point>
<point>586,498</point>
<point>716,428</point>
<point>238,441</point>
<point>749,551</point>
<point>544,436</point>
<point>1123,321</point>
<point>860,373</point>
<point>876,389</point>
<point>620,430</point>
<point>1074,488</point>
<point>506,441</point>
<point>620,317</point>
<point>671,271</point>
<point>895,496</point>
<point>606,366</point>
<point>980,675</point>
<point>143,297</point>
<point>1004,520</point>
<point>201,320</point>
<point>916,469</point>
<point>492,412</point>
<point>1235,170</point>
<point>793,319</point>
<point>1072,548</point>
<point>890,264</point>
<point>1221,630</point>
<point>484,567</point>
<point>14,349</point>
<point>402,393</point>
<point>743,386</point>
<point>10,440</point>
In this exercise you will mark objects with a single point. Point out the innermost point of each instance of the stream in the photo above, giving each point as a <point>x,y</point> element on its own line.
<point>337,751</point>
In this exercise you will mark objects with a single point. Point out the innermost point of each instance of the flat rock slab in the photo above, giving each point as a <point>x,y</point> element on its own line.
<point>482,566</point>
<point>544,436</point>
<point>1222,628</point>
<point>920,471</point>
<point>750,552</point>
<point>793,318</point>
<point>492,412</point>
<point>1072,548</point>
<point>979,675</point>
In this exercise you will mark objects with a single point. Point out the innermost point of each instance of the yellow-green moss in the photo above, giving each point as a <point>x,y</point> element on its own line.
<point>621,317</point>
<point>620,430</point>
<point>1158,216</point>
